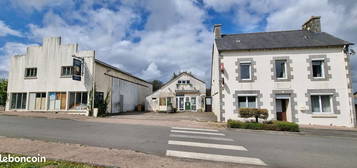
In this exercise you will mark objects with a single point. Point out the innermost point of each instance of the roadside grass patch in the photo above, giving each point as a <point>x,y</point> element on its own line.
<point>47,164</point>
<point>268,125</point>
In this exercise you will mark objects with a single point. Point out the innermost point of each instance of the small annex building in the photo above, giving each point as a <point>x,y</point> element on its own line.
<point>182,93</point>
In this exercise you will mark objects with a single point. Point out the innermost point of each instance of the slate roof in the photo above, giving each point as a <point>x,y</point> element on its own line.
<point>278,40</point>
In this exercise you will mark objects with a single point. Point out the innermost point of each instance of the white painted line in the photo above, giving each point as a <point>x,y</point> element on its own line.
<point>207,145</point>
<point>214,157</point>
<point>196,132</point>
<point>194,129</point>
<point>200,137</point>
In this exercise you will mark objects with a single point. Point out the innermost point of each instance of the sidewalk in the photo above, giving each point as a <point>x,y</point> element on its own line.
<point>102,156</point>
<point>184,119</point>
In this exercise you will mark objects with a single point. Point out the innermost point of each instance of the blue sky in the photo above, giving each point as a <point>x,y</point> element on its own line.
<point>154,38</point>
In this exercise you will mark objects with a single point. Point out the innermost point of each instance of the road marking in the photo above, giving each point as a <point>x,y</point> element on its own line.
<point>200,137</point>
<point>214,157</point>
<point>195,129</point>
<point>207,145</point>
<point>196,132</point>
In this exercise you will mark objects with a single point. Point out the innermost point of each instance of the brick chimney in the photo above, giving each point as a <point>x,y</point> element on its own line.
<point>217,31</point>
<point>313,24</point>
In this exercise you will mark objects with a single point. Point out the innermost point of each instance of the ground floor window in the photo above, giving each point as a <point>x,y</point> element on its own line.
<point>18,100</point>
<point>57,100</point>
<point>78,100</point>
<point>247,101</point>
<point>321,103</point>
<point>193,103</point>
<point>37,101</point>
<point>162,101</point>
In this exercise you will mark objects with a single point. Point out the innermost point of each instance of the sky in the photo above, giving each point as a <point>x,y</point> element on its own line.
<point>155,38</point>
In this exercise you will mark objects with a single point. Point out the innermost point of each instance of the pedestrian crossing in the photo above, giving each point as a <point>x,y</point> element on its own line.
<point>207,144</point>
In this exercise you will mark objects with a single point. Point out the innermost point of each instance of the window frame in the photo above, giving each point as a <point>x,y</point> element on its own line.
<point>285,75</point>
<point>250,70</point>
<point>30,76</point>
<point>322,66</point>
<point>320,104</point>
<point>66,75</point>
<point>23,101</point>
<point>247,102</point>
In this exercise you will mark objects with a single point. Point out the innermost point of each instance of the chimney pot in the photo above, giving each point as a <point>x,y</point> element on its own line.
<point>313,24</point>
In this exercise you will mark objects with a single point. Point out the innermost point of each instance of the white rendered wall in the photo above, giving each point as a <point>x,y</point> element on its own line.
<point>48,59</point>
<point>299,84</point>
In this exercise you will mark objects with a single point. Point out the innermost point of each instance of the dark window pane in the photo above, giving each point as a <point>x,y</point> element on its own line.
<point>84,98</point>
<point>18,100</point>
<point>13,100</point>
<point>242,103</point>
<point>317,68</point>
<point>245,71</point>
<point>78,99</point>
<point>325,102</point>
<point>280,68</point>
<point>315,104</point>
<point>252,102</point>
<point>23,102</point>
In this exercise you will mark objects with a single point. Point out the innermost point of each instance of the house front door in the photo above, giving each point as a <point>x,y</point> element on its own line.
<point>187,103</point>
<point>181,103</point>
<point>281,108</point>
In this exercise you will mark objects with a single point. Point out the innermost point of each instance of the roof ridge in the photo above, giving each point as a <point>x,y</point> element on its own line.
<point>262,32</point>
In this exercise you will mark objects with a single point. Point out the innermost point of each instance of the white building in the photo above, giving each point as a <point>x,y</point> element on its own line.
<point>183,93</point>
<point>41,80</point>
<point>301,76</point>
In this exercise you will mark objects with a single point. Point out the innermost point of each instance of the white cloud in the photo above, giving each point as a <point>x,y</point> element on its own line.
<point>38,5</point>
<point>152,72</point>
<point>6,30</point>
<point>8,50</point>
<point>173,39</point>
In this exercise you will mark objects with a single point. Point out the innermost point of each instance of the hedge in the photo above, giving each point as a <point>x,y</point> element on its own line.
<point>271,125</point>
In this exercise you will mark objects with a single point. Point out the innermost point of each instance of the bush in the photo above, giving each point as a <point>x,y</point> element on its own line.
<point>235,124</point>
<point>286,126</point>
<point>268,125</point>
<point>253,125</point>
<point>253,112</point>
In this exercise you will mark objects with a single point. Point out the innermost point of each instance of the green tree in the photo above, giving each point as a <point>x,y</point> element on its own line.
<point>3,91</point>
<point>156,85</point>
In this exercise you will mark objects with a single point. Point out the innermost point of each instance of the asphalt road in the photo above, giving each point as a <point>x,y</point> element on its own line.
<point>274,149</point>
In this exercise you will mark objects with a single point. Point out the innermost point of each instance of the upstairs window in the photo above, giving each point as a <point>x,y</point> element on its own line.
<point>30,72</point>
<point>245,71</point>
<point>280,69</point>
<point>188,81</point>
<point>66,71</point>
<point>179,82</point>
<point>318,68</point>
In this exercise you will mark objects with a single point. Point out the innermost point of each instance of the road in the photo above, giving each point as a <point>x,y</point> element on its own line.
<point>247,147</point>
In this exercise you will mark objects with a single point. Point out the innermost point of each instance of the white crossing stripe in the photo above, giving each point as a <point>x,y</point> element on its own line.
<point>200,137</point>
<point>196,132</point>
<point>207,145</point>
<point>194,129</point>
<point>214,157</point>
